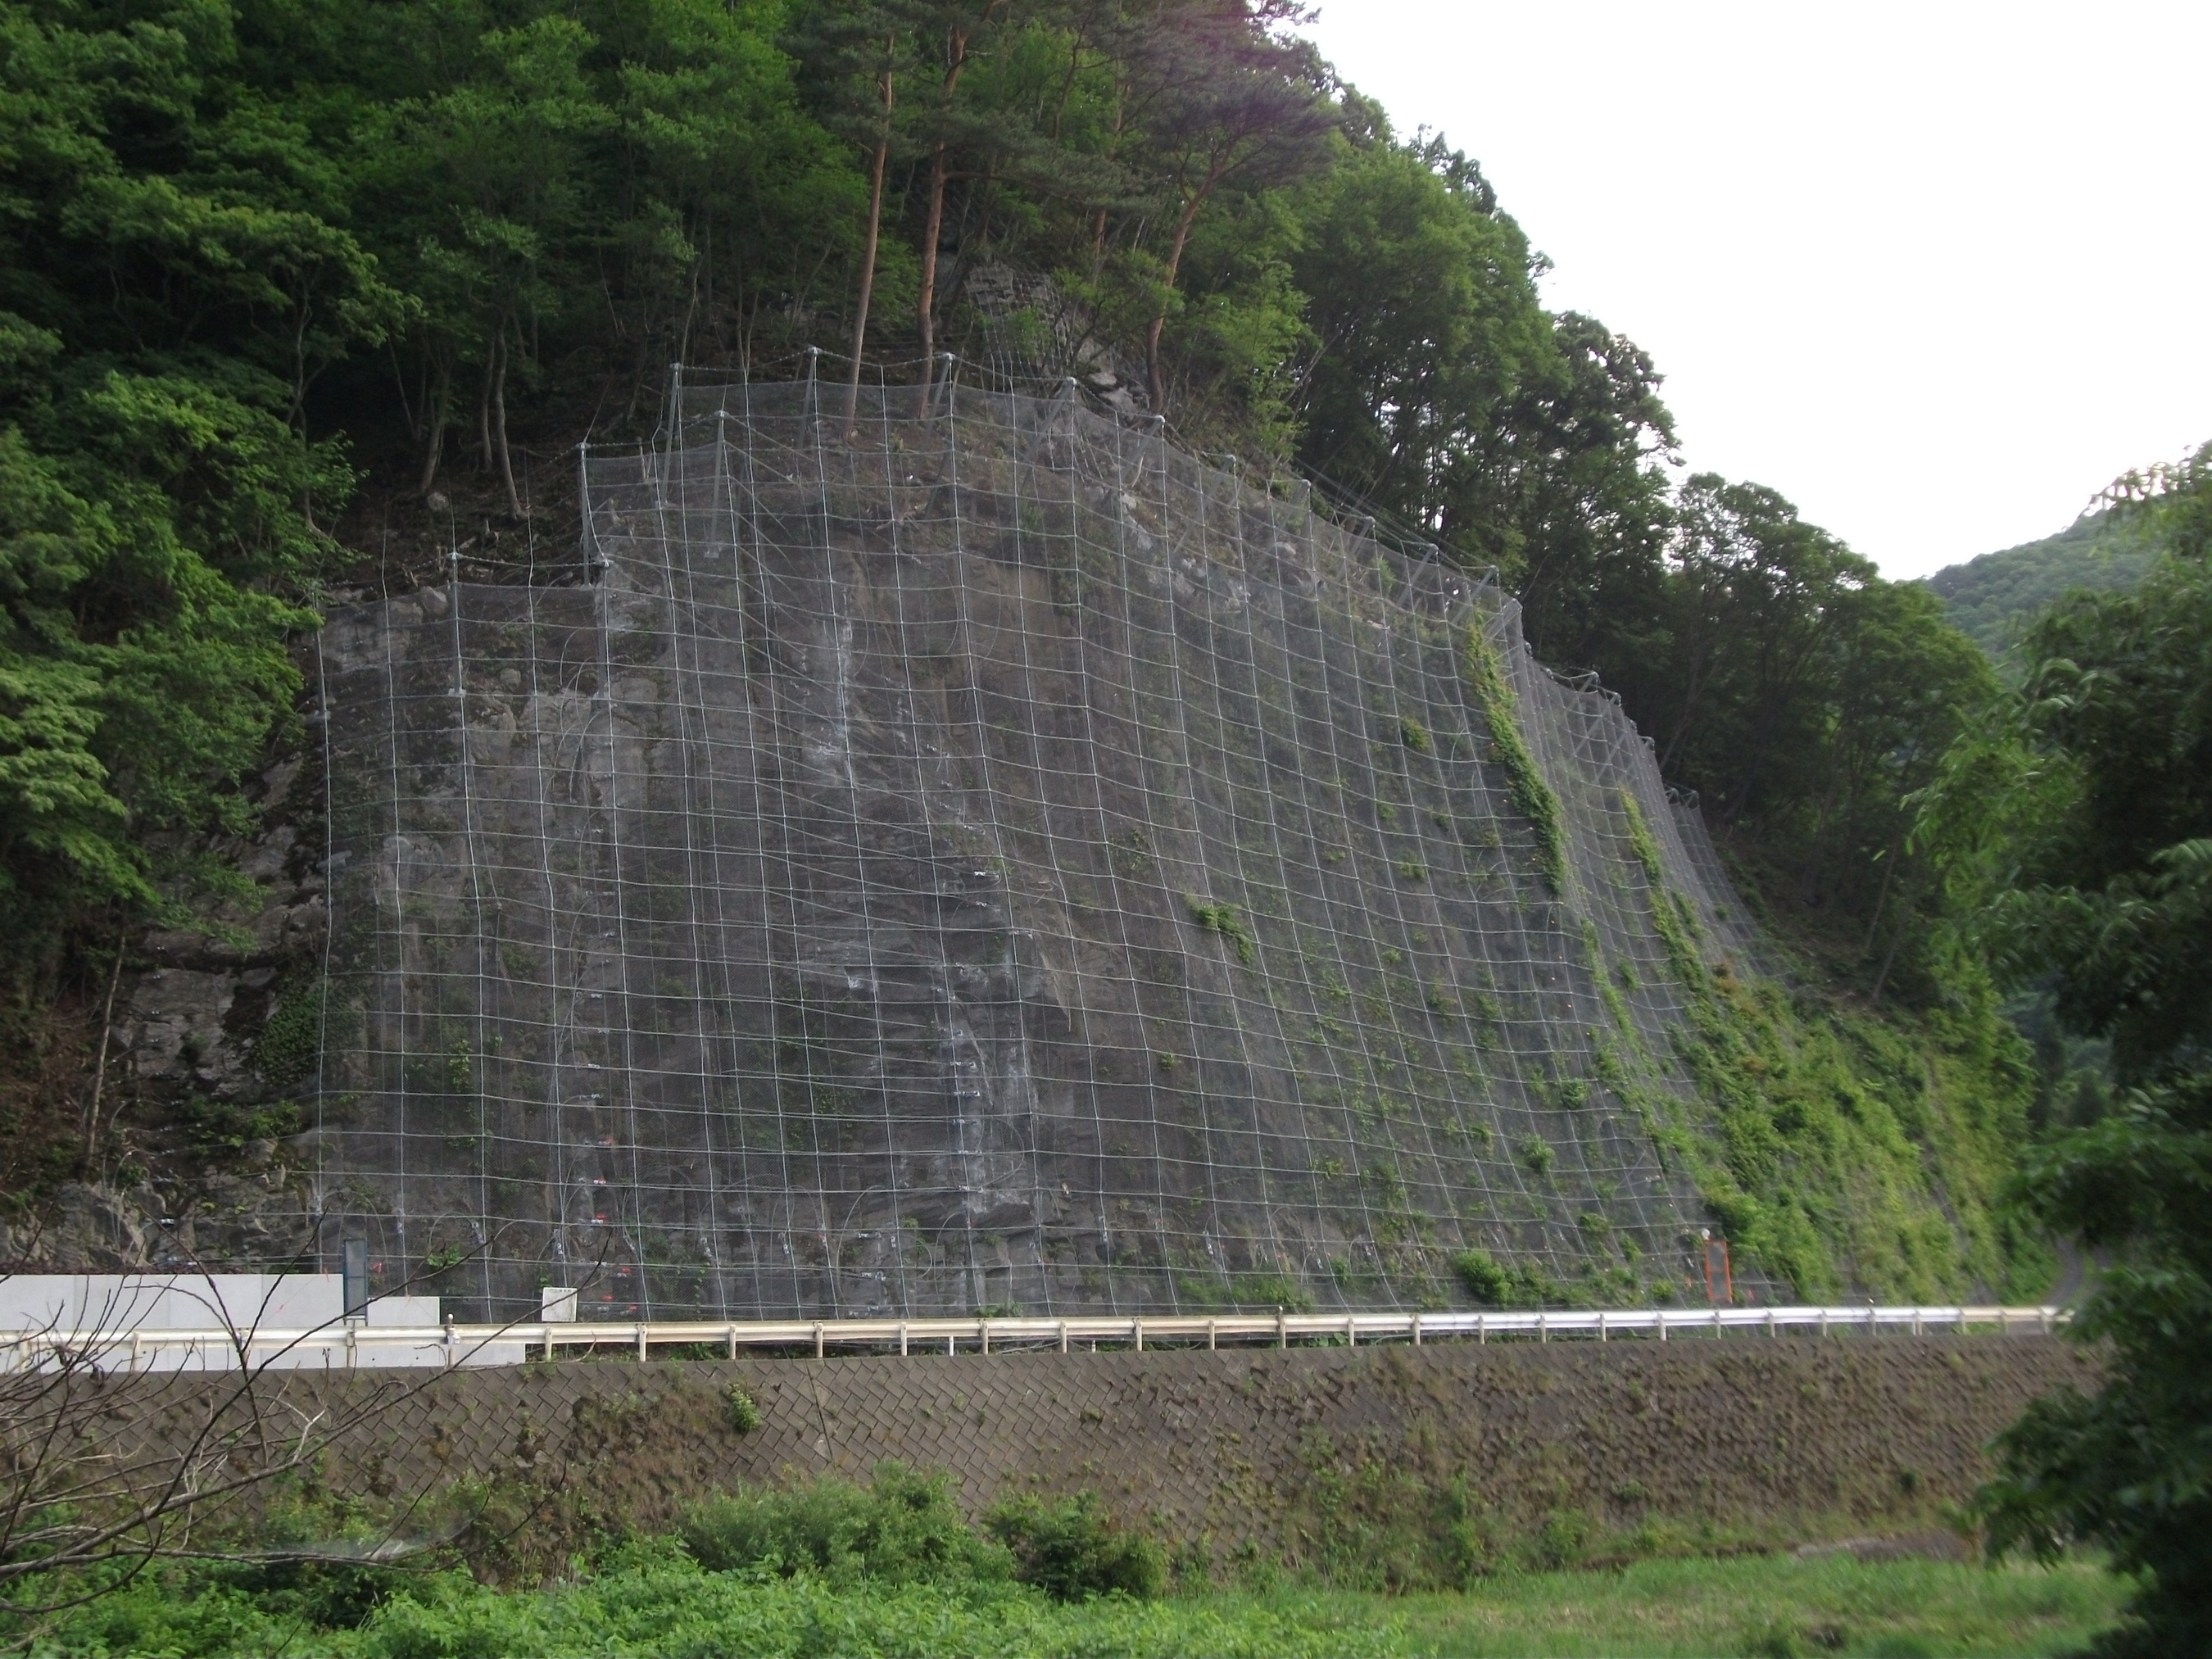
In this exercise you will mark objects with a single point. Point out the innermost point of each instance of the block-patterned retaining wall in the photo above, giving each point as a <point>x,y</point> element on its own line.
<point>1250,1450</point>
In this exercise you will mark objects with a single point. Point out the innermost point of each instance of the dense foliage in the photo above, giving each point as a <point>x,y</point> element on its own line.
<point>1993,599</point>
<point>2102,890</point>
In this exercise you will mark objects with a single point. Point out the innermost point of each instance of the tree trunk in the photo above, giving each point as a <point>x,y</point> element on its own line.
<point>434,451</point>
<point>1881,899</point>
<point>1808,880</point>
<point>483,402</point>
<point>926,312</point>
<point>1175,264</point>
<point>1903,921</point>
<point>927,309</point>
<point>499,424</point>
<point>868,253</point>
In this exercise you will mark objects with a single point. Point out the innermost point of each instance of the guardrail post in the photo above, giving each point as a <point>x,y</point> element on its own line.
<point>134,1353</point>
<point>2043,1318</point>
<point>982,1334</point>
<point>1716,1320</point>
<point>902,1338</point>
<point>1543,1326</point>
<point>1063,1336</point>
<point>1282,1328</point>
<point>1137,1329</point>
<point>353,1340</point>
<point>1663,1324</point>
<point>1350,1330</point>
<point>1213,1340</point>
<point>818,1340</point>
<point>1481,1329</point>
<point>733,1339</point>
<point>1773,1327</point>
<point>1600,1325</point>
<point>1417,1330</point>
<point>1824,1321</point>
<point>450,1355</point>
<point>1915,1321</point>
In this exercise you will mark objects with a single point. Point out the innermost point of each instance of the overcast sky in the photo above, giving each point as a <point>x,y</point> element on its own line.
<point>1937,272</point>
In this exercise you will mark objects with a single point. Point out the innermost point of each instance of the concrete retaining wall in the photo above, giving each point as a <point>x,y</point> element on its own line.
<point>1285,1453</point>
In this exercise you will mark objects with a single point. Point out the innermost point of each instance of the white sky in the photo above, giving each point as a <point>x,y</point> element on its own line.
<point>1937,272</point>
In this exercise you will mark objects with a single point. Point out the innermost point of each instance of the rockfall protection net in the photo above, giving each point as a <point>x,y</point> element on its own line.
<point>960,852</point>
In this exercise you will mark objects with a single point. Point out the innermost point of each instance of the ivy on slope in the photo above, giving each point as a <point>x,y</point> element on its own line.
<point>1840,1149</point>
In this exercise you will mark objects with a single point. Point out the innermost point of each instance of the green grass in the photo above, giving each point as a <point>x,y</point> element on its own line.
<point>1764,1605</point>
<point>652,1601</point>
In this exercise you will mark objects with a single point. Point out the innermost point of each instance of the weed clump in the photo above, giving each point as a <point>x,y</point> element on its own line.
<point>744,1413</point>
<point>1222,919</point>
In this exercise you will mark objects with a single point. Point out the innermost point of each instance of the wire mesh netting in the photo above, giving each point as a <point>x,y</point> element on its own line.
<point>958,851</point>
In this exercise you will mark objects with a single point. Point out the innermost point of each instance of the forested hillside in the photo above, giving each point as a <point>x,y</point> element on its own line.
<point>296,295</point>
<point>1994,598</point>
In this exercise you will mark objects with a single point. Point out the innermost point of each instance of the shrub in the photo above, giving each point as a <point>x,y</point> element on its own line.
<point>1501,1285</point>
<point>902,1529</point>
<point>1075,1550</point>
<point>1478,1271</point>
<point>744,1413</point>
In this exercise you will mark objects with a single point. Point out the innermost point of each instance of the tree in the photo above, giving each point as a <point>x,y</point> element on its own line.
<point>1224,104</point>
<point>500,165</point>
<point>1423,304</point>
<point>2112,905</point>
<point>173,278</point>
<point>1440,389</point>
<point>960,27</point>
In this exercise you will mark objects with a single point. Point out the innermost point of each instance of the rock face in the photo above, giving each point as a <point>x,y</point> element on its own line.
<point>979,861</point>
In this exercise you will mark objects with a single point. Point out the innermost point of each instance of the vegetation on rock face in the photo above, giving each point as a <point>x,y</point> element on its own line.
<point>1531,796</point>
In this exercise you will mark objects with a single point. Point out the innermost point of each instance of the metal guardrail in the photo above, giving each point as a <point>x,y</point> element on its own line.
<point>345,1345</point>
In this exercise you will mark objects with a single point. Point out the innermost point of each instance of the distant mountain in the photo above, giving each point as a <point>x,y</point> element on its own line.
<point>1992,597</point>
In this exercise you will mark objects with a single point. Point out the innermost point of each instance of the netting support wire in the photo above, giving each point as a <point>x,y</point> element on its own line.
<point>593,562</point>
<point>320,715</point>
